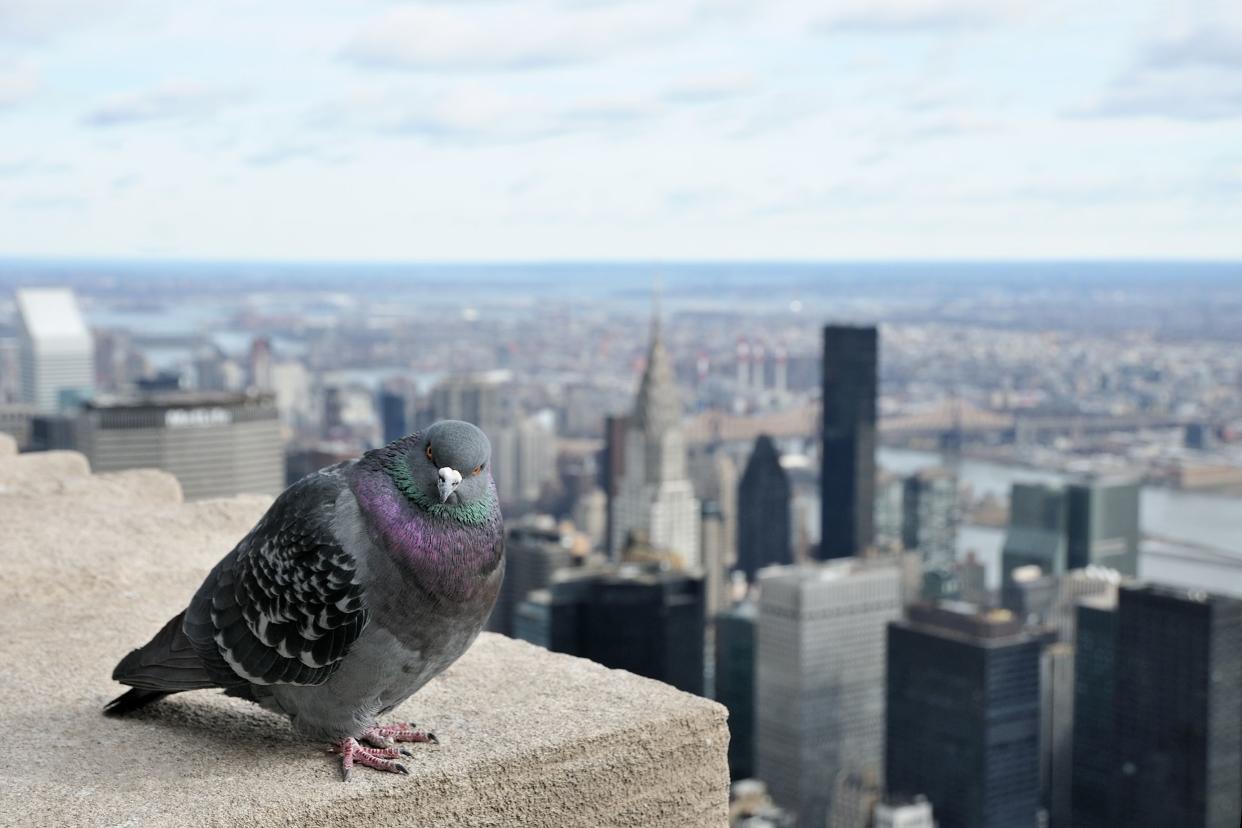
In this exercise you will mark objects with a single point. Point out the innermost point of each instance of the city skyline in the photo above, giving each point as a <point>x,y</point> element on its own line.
<point>567,130</point>
<point>948,433</point>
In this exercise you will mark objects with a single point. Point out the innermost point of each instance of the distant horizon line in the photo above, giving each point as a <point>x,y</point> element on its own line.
<point>607,262</point>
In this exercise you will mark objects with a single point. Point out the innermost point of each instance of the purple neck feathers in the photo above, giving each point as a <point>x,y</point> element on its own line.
<point>447,558</point>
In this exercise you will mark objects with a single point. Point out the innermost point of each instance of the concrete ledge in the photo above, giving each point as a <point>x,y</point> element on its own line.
<point>527,737</point>
<point>41,472</point>
<point>8,446</point>
<point>138,487</point>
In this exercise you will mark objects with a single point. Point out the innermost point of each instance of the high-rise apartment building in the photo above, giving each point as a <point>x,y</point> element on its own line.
<point>963,715</point>
<point>820,661</point>
<point>847,477</point>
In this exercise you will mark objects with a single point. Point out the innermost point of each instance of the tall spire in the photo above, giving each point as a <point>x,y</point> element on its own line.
<point>657,408</point>
<point>657,293</point>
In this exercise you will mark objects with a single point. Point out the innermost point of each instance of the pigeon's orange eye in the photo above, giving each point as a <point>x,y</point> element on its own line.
<point>429,457</point>
<point>477,469</point>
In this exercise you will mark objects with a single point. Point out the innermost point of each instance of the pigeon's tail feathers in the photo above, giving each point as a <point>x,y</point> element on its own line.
<point>166,664</point>
<point>131,700</point>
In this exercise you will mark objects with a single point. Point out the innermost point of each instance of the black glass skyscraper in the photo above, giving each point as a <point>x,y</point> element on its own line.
<point>1177,702</point>
<point>963,716</point>
<point>393,415</point>
<point>642,620</point>
<point>763,530</point>
<point>735,684</point>
<point>1094,667</point>
<point>847,477</point>
<point>1158,710</point>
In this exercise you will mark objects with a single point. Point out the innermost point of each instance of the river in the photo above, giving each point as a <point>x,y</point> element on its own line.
<point>1196,518</point>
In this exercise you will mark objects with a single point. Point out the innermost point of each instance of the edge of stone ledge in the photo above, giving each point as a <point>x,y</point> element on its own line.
<point>8,445</point>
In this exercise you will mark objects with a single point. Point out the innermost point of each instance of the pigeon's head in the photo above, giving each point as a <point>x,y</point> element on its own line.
<point>454,461</point>
<point>444,467</point>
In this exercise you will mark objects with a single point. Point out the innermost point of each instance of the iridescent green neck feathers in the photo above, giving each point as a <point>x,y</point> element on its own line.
<point>474,513</point>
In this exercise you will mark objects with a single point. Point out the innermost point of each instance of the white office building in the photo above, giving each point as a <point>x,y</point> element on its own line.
<point>819,678</point>
<point>57,350</point>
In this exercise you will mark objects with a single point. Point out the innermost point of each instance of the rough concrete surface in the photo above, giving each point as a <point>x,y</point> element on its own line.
<point>91,566</point>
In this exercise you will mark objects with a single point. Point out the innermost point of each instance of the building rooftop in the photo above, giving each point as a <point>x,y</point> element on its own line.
<point>97,562</point>
<point>966,622</point>
<point>51,316</point>
<point>176,399</point>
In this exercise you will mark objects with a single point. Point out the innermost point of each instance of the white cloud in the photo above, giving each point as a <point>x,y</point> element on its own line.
<point>887,16</point>
<point>710,88</point>
<point>1186,94</point>
<point>1190,71</point>
<point>173,101</point>
<point>35,21</point>
<point>527,35</point>
<point>474,114</point>
<point>18,83</point>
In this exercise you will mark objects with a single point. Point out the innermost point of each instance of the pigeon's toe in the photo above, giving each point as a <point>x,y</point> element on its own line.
<point>381,758</point>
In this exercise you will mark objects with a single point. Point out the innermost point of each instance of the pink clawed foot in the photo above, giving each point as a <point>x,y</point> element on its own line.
<point>386,735</point>
<point>380,758</point>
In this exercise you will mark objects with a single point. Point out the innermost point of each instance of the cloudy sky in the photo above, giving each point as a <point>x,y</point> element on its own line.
<point>621,129</point>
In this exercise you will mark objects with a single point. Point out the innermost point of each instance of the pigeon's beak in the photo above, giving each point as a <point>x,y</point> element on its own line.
<point>449,480</point>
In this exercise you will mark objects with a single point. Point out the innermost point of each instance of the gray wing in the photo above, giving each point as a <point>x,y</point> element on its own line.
<point>285,605</point>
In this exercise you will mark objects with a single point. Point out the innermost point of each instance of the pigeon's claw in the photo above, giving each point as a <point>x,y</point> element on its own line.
<point>380,758</point>
<point>402,732</point>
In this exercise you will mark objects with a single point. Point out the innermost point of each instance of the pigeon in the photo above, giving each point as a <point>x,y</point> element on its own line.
<point>362,582</point>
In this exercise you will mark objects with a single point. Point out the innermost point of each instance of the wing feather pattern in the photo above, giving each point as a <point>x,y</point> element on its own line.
<point>285,605</point>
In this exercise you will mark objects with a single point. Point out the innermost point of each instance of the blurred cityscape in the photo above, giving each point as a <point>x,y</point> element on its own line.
<point>956,545</point>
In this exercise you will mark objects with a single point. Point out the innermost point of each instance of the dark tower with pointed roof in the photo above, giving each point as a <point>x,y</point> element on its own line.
<point>763,526</point>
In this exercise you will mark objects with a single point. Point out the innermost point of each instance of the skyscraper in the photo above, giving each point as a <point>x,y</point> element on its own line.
<point>1056,730</point>
<point>964,714</point>
<point>628,618</point>
<point>533,556</point>
<point>1036,533</point>
<point>820,661</point>
<point>612,471</point>
<point>655,497</point>
<point>216,444</point>
<point>929,521</point>
<point>735,683</point>
<point>1095,651</point>
<point>1102,524</point>
<point>1091,522</point>
<point>847,478</point>
<point>763,500</point>
<point>1177,709</point>
<point>57,351</point>
<point>393,419</point>
<point>712,557</point>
